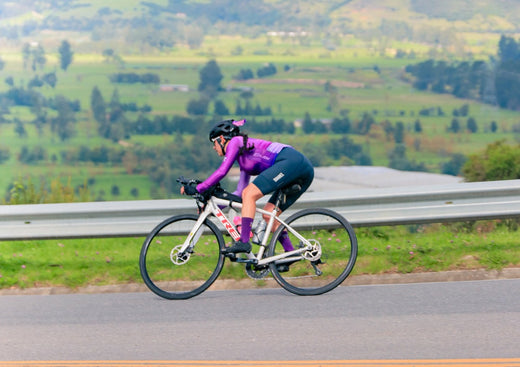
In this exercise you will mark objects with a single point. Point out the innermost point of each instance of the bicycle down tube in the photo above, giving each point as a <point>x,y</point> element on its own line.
<point>215,202</point>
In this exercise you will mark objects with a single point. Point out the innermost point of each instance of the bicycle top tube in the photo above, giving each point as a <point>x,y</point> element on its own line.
<point>237,206</point>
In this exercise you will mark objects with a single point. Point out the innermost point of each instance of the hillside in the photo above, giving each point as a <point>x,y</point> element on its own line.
<point>347,82</point>
<point>162,24</point>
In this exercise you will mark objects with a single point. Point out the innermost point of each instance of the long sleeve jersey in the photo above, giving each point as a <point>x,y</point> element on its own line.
<point>251,162</point>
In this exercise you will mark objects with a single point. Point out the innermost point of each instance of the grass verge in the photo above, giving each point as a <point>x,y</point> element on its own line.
<point>401,249</point>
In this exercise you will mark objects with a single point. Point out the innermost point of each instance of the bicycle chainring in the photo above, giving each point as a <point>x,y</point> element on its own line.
<point>315,252</point>
<point>257,273</point>
<point>179,258</point>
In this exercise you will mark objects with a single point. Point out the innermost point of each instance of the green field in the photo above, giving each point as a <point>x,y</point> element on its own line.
<point>289,94</point>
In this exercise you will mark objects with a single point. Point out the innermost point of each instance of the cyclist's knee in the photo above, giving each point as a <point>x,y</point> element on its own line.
<point>251,192</point>
<point>269,208</point>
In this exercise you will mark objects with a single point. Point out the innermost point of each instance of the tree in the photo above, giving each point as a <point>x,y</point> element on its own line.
<point>471,125</point>
<point>508,49</point>
<point>454,165</point>
<point>399,133</point>
<point>35,82</point>
<point>493,126</point>
<point>244,74</point>
<point>499,161</point>
<point>417,127</point>
<point>116,119</point>
<point>19,128</point>
<point>115,190</point>
<point>39,59</point>
<point>99,109</point>
<point>66,55</point>
<point>5,154</point>
<point>363,126</point>
<point>26,54</point>
<point>9,81</point>
<point>220,108</point>
<point>63,124</point>
<point>307,124</point>
<point>50,79</point>
<point>210,78</point>
<point>398,160</point>
<point>238,109</point>
<point>34,54</point>
<point>455,126</point>
<point>197,107</point>
<point>266,70</point>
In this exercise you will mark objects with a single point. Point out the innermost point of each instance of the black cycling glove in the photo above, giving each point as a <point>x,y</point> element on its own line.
<point>190,189</point>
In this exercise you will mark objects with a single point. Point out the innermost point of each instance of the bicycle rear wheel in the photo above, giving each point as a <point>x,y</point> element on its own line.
<point>330,262</point>
<point>174,275</point>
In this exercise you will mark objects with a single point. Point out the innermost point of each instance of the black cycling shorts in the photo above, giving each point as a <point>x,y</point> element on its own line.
<point>290,167</point>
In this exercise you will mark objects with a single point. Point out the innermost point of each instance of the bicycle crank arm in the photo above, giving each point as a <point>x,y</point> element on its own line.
<point>246,261</point>
<point>235,259</point>
<point>316,269</point>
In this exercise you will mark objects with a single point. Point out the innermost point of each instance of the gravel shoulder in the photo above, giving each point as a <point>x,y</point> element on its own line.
<point>427,277</point>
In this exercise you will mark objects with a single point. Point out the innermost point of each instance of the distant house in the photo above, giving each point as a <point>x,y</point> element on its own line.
<point>236,88</point>
<point>174,88</point>
<point>324,121</point>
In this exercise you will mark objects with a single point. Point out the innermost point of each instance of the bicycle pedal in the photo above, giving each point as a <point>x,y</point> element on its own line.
<point>247,261</point>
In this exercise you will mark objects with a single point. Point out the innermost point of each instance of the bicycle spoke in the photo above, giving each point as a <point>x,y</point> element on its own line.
<point>174,274</point>
<point>329,259</point>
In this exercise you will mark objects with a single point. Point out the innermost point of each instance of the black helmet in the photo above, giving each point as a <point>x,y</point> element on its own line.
<point>225,128</point>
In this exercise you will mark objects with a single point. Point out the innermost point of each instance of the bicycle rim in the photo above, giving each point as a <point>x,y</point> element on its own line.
<point>334,255</point>
<point>173,275</point>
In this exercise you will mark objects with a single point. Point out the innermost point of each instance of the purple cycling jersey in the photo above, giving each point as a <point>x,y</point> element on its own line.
<point>252,162</point>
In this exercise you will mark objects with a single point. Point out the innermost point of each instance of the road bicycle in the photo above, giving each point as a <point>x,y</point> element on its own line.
<point>182,256</point>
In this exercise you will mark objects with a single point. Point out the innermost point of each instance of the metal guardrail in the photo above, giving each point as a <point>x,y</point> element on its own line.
<point>363,207</point>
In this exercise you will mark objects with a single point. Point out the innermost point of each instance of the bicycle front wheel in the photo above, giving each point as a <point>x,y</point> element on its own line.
<point>175,275</point>
<point>330,261</point>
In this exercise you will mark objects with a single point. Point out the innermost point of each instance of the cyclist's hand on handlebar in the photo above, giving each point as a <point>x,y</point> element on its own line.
<point>189,189</point>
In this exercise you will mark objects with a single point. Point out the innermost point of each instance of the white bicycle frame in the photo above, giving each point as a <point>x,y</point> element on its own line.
<point>212,208</point>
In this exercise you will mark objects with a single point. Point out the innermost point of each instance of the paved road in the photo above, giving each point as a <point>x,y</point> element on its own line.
<point>475,319</point>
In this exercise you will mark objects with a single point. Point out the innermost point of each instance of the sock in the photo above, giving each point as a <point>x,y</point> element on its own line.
<point>286,241</point>
<point>246,229</point>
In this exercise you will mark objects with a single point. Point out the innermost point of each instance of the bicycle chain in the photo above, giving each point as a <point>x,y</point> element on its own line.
<point>256,273</point>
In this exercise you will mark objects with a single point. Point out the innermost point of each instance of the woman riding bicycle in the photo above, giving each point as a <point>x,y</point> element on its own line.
<point>275,166</point>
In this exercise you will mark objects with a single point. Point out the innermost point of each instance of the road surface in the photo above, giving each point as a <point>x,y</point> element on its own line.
<point>446,320</point>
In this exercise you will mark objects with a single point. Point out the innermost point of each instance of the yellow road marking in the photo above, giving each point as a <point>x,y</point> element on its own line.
<point>509,362</point>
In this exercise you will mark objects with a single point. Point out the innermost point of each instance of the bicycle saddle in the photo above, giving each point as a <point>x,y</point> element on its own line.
<point>292,188</point>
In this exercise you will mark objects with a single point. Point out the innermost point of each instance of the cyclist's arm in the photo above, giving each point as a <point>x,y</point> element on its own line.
<point>221,172</point>
<point>243,181</point>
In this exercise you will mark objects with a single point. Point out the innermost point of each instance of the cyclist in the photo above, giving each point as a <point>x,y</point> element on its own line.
<point>275,166</point>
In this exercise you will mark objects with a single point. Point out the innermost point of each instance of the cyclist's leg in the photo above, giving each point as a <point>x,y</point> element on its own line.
<point>290,167</point>
<point>305,182</point>
<point>250,195</point>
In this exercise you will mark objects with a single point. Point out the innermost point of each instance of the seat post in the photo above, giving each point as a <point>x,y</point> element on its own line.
<point>280,199</point>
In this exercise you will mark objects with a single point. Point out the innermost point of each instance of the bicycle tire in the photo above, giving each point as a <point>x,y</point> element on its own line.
<point>189,277</point>
<point>338,243</point>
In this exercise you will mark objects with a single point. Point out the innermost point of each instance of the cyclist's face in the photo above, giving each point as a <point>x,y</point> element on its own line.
<point>217,146</point>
